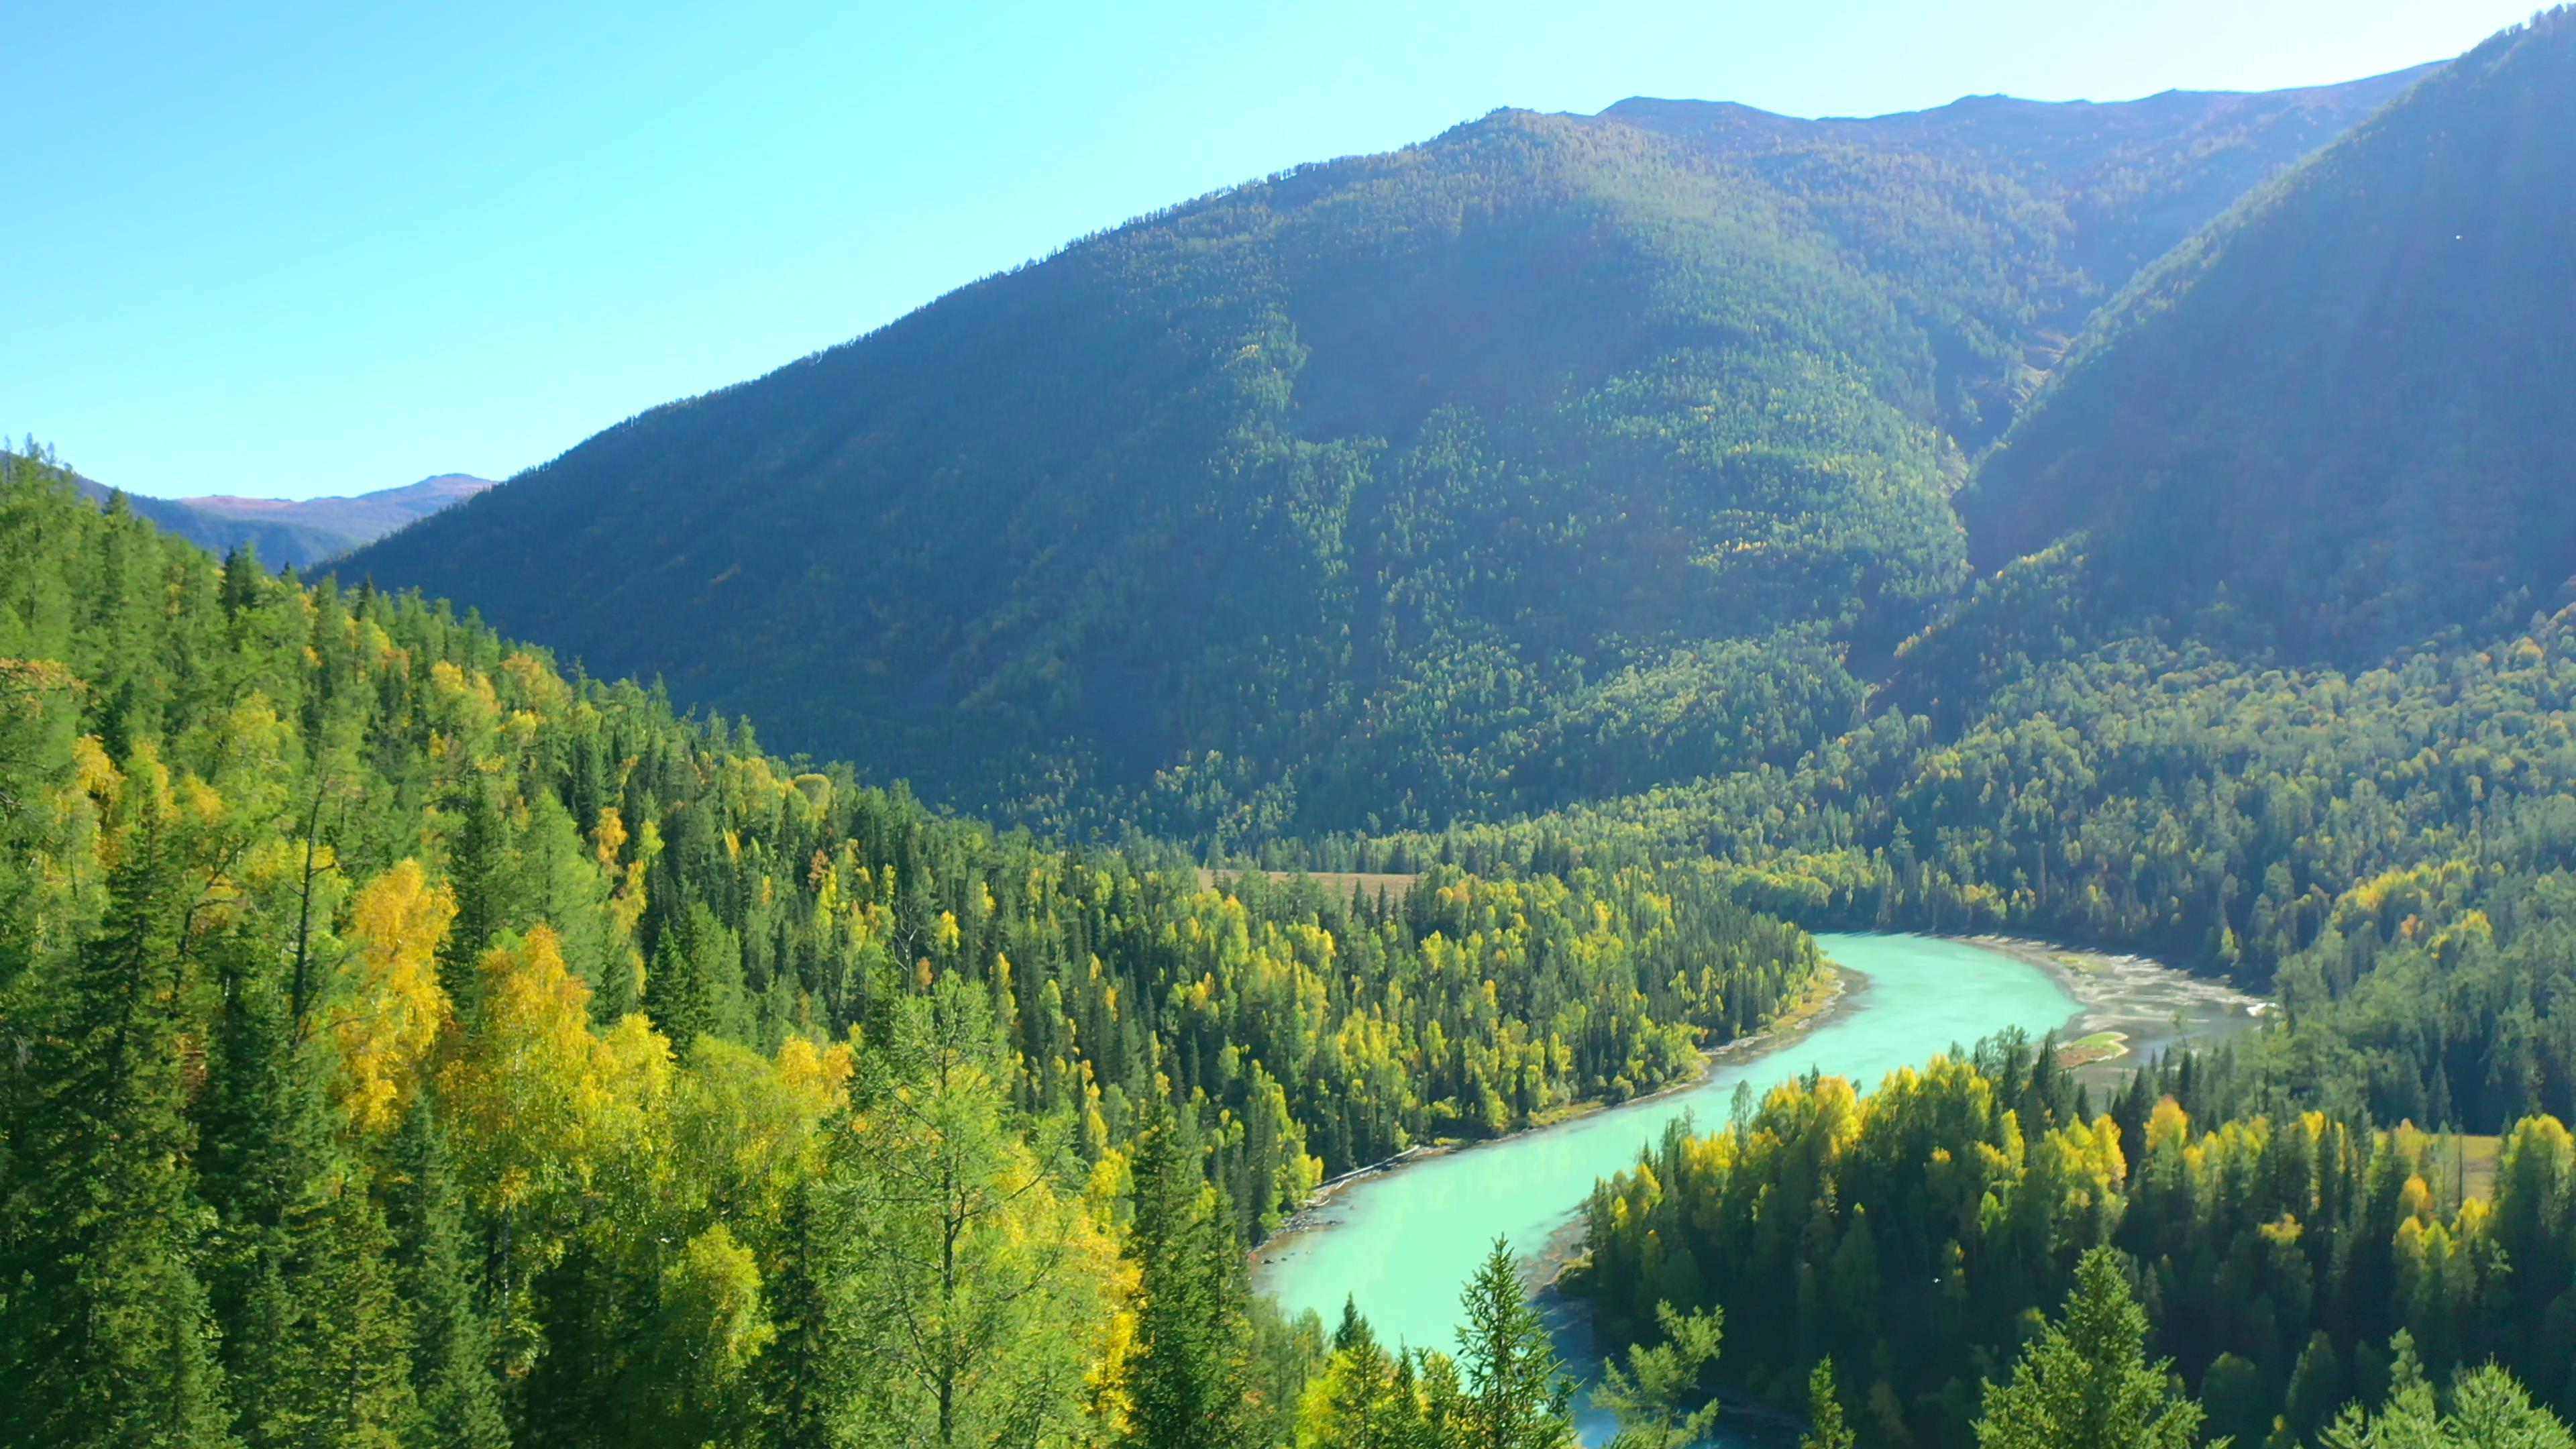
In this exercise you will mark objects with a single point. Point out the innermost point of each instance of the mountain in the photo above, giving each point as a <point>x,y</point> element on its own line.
<point>278,541</point>
<point>297,531</point>
<point>2336,424</point>
<point>364,518</point>
<point>1552,456</point>
<point>2095,192</point>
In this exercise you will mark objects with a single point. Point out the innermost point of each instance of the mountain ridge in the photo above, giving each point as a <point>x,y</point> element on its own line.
<point>2324,425</point>
<point>296,532</point>
<point>1456,478</point>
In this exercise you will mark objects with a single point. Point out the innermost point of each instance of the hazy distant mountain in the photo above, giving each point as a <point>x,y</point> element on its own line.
<point>366,517</point>
<point>1552,456</point>
<point>2338,422</point>
<point>302,532</point>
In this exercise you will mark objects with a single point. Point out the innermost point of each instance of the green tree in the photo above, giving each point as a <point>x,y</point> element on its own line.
<point>1517,1391</point>
<point>450,1339</point>
<point>709,1326</point>
<point>1186,1376</point>
<point>1657,1397</point>
<point>1826,1428</point>
<point>694,986</point>
<point>2085,1382</point>
<point>105,1336</point>
<point>2489,1410</point>
<point>1367,1397</point>
<point>968,1290</point>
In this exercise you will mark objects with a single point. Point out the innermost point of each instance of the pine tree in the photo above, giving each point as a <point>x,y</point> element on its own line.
<point>105,1337</point>
<point>450,1340</point>
<point>1185,1379</point>
<point>242,577</point>
<point>479,869</point>
<point>2085,1382</point>
<point>2489,1410</point>
<point>676,993</point>
<point>1656,1397</point>
<point>694,987</point>
<point>1826,1428</point>
<point>961,1293</point>
<point>344,1366</point>
<point>281,1232</point>
<point>805,1373</point>
<point>1353,1333</point>
<point>1517,1389</point>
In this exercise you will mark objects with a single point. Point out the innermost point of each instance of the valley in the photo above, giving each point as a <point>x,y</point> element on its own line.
<point>1393,1241</point>
<point>1909,775</point>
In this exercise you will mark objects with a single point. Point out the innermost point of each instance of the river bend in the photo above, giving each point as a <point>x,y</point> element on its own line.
<point>1403,1242</point>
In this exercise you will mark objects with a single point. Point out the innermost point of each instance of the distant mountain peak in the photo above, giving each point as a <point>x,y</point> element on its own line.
<point>444,487</point>
<point>299,531</point>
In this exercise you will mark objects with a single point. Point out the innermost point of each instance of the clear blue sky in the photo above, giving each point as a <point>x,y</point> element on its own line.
<point>304,249</point>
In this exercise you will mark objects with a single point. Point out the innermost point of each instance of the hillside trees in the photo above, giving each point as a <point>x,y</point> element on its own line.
<point>340,1104</point>
<point>1920,1230</point>
<point>2084,1382</point>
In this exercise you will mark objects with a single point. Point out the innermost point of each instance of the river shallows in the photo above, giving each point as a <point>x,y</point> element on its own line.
<point>1403,1243</point>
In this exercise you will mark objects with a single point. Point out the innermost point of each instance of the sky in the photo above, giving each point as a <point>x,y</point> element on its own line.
<point>293,250</point>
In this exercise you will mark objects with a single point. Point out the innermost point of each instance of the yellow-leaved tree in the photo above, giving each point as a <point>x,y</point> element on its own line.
<point>543,1108</point>
<point>391,1007</point>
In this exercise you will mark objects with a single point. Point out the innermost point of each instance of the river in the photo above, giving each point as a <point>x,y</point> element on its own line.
<point>1402,1243</point>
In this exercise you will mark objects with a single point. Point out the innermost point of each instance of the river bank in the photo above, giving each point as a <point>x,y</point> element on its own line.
<point>1399,1238</point>
<point>2129,1008</point>
<point>1836,991</point>
<point>2132,1008</point>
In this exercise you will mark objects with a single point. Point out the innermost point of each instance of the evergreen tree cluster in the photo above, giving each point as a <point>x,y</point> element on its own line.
<point>1916,1235</point>
<point>406,1044</point>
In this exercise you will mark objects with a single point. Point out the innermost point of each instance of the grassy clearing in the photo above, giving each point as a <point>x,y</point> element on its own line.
<point>2101,1046</point>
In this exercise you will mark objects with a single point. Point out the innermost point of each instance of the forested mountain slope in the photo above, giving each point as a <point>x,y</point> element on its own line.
<point>2336,424</point>
<point>1550,457</point>
<point>402,1044</point>
<point>2079,194</point>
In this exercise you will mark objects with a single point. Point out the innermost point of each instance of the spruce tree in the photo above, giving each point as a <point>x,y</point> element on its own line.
<point>105,1336</point>
<point>1826,1428</point>
<point>258,1155</point>
<point>345,1369</point>
<point>805,1372</point>
<point>450,1339</point>
<point>1186,1378</point>
<point>2085,1382</point>
<point>479,869</point>
<point>1517,1388</point>
<point>313,1343</point>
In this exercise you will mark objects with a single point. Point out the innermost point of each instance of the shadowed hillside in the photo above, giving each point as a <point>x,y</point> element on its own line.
<point>2336,423</point>
<point>1551,457</point>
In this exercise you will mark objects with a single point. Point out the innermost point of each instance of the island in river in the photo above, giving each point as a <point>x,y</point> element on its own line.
<point>1399,1243</point>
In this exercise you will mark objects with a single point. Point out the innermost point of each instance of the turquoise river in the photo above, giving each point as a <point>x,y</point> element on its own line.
<point>1400,1243</point>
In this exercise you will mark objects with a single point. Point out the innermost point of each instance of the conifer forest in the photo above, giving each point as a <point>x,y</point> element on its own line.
<point>873,906</point>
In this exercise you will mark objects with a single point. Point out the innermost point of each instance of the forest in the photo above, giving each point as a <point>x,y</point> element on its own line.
<point>411,1044</point>
<point>1554,457</point>
<point>1634,542</point>
<point>2286,1265</point>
